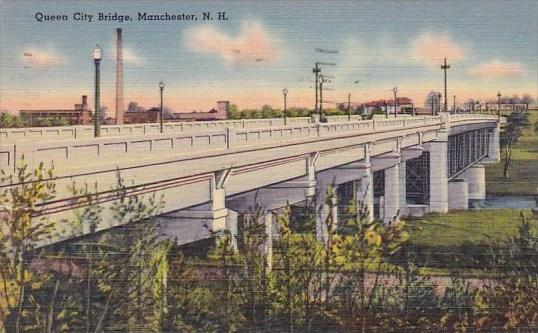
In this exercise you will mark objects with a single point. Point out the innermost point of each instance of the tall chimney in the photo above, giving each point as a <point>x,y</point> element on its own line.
<point>84,102</point>
<point>119,78</point>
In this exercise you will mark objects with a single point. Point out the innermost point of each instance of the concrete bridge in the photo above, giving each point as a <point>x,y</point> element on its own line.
<point>210,172</point>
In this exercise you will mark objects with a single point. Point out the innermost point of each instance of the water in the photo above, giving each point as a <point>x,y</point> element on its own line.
<point>505,201</point>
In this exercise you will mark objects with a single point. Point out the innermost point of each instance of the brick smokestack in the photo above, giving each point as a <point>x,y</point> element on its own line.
<point>223,109</point>
<point>119,78</point>
<point>84,102</point>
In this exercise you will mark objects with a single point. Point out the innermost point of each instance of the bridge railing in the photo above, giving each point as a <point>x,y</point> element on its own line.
<point>112,150</point>
<point>80,132</point>
<point>337,119</point>
<point>89,151</point>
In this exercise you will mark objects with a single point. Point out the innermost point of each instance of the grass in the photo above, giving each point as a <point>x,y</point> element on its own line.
<point>461,240</point>
<point>523,172</point>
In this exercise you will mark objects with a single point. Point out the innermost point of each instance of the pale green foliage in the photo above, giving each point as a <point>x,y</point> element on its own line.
<point>22,228</point>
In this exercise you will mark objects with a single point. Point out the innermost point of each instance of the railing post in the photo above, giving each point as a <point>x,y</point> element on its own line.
<point>230,137</point>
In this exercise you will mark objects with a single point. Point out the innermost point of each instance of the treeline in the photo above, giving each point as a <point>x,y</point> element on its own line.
<point>268,111</point>
<point>129,279</point>
<point>7,120</point>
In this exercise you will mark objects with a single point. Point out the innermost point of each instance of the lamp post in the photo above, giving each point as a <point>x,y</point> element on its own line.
<point>395,90</point>
<point>97,55</point>
<point>499,105</point>
<point>349,106</point>
<point>432,97</point>
<point>444,67</point>
<point>285,93</point>
<point>454,105</point>
<point>161,87</point>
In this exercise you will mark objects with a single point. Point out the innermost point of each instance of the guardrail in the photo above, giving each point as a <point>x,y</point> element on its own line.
<point>88,151</point>
<point>80,132</point>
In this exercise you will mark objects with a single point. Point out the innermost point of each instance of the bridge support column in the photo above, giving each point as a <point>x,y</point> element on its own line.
<point>458,194</point>
<point>268,247</point>
<point>494,145</point>
<point>231,226</point>
<point>365,191</point>
<point>199,222</point>
<point>438,173</point>
<point>392,194</point>
<point>324,209</point>
<point>402,187</point>
<point>476,177</point>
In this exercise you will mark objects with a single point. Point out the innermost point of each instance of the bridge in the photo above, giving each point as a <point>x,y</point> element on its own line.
<point>210,172</point>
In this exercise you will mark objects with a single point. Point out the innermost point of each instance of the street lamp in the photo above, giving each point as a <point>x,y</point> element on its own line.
<point>395,90</point>
<point>285,93</point>
<point>444,67</point>
<point>161,87</point>
<point>97,55</point>
<point>499,105</point>
<point>349,106</point>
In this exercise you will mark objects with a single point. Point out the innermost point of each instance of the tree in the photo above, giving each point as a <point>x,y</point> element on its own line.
<point>233,112</point>
<point>433,96</point>
<point>516,121</point>
<point>510,300</point>
<point>134,107</point>
<point>21,229</point>
<point>8,120</point>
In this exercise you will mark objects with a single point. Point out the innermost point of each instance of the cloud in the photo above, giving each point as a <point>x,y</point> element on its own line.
<point>39,58</point>
<point>129,56</point>
<point>497,69</point>
<point>251,45</point>
<point>432,47</point>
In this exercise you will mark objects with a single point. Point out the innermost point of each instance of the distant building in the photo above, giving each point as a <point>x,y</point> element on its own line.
<point>404,105</point>
<point>80,115</point>
<point>153,115</point>
<point>146,116</point>
<point>219,113</point>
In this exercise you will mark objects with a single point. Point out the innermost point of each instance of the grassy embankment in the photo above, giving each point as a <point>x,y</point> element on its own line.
<point>523,172</point>
<point>462,240</point>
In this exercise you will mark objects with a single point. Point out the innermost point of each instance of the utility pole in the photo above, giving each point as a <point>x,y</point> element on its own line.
<point>395,90</point>
<point>321,81</point>
<point>316,70</point>
<point>445,67</point>
<point>349,107</point>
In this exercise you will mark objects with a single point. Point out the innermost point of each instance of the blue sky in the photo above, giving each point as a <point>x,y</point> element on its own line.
<point>266,46</point>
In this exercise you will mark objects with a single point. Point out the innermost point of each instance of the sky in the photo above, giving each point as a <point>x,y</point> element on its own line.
<point>265,46</point>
